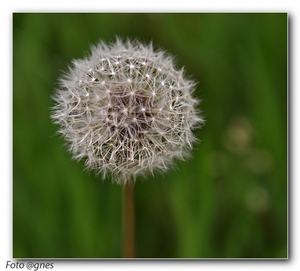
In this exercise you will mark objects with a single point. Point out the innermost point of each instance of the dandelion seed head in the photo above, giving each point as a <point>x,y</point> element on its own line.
<point>126,110</point>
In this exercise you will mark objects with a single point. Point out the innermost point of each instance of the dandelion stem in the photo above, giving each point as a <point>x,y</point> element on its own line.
<point>128,221</point>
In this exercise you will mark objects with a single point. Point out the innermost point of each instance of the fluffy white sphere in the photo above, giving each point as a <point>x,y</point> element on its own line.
<point>126,110</point>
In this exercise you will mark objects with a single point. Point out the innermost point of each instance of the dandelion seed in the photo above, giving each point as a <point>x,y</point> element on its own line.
<point>134,121</point>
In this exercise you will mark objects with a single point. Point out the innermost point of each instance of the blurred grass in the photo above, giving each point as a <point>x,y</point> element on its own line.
<point>228,201</point>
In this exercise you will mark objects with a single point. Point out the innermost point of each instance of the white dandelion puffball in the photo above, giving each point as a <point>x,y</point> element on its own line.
<point>126,110</point>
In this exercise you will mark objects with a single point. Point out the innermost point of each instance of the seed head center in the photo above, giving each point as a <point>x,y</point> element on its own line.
<point>129,114</point>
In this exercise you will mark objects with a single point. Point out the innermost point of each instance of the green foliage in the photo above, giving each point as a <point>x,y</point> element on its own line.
<point>228,201</point>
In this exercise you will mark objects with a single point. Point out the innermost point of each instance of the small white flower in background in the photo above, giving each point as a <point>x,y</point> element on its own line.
<point>126,110</point>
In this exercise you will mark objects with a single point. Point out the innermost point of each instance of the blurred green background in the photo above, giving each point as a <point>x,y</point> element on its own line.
<point>228,201</point>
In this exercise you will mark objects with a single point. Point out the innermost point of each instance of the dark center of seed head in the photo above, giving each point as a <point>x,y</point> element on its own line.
<point>129,113</point>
